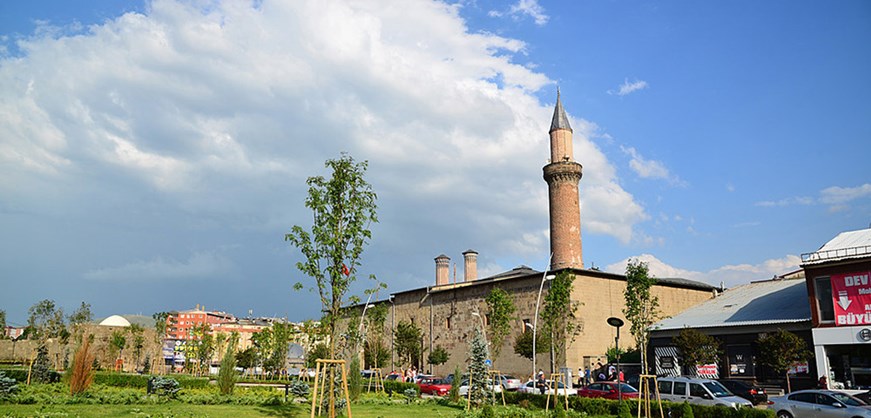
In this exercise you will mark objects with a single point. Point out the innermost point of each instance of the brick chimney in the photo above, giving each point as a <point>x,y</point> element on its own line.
<point>470,266</point>
<point>443,264</point>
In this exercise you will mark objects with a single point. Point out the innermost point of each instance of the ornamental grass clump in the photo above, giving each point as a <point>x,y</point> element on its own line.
<point>81,374</point>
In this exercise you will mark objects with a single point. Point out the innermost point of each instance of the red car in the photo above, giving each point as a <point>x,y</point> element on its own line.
<point>608,390</point>
<point>434,386</point>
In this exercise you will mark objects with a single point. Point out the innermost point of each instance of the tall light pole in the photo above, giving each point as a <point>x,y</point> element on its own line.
<point>617,323</point>
<point>544,277</point>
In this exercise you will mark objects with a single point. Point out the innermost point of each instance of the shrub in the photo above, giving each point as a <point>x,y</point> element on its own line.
<point>410,395</point>
<point>299,388</point>
<point>81,375</point>
<point>623,410</point>
<point>355,379</point>
<point>41,369</point>
<point>227,372</point>
<point>165,386</point>
<point>8,386</point>
<point>393,386</point>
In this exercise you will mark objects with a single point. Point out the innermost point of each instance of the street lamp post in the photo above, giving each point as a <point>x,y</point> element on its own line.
<point>544,277</point>
<point>617,323</point>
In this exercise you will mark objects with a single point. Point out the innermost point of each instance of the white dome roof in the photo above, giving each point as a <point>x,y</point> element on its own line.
<point>115,321</point>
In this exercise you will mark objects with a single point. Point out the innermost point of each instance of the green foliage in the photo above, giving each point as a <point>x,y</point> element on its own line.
<point>227,372</point>
<point>3,324</point>
<point>392,386</point>
<point>41,371</point>
<point>247,358</point>
<point>623,410</point>
<point>523,344</point>
<point>355,379</point>
<point>407,343</point>
<point>82,315</point>
<point>166,386</point>
<point>500,308</point>
<point>558,315</point>
<point>375,355</point>
<point>160,324</point>
<point>138,340</point>
<point>343,207</point>
<point>686,410</point>
<point>46,321</point>
<point>454,394</point>
<point>479,390</point>
<point>272,346</point>
<point>317,351</point>
<point>118,340</point>
<point>299,388</point>
<point>696,348</point>
<point>438,356</point>
<point>8,386</point>
<point>559,411</point>
<point>410,395</point>
<point>780,350</point>
<point>642,309</point>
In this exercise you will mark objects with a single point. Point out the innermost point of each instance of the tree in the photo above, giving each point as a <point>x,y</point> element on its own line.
<point>118,341</point>
<point>227,371</point>
<point>343,208</point>
<point>407,343</point>
<point>46,321</point>
<point>642,309</point>
<point>375,354</point>
<point>247,358</point>
<point>438,356</point>
<point>160,324</point>
<point>478,373</point>
<point>780,350</point>
<point>523,344</point>
<point>82,315</point>
<point>138,343</point>
<point>41,369</point>
<point>558,316</point>
<point>317,351</point>
<point>500,310</point>
<point>3,324</point>
<point>696,349</point>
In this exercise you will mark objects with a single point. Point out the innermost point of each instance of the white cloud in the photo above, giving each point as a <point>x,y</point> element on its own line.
<point>836,197</point>
<point>198,266</point>
<point>649,169</point>
<point>192,123</point>
<point>522,8</point>
<point>629,87</point>
<point>729,275</point>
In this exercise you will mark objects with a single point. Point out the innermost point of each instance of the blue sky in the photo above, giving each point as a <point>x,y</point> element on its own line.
<point>153,154</point>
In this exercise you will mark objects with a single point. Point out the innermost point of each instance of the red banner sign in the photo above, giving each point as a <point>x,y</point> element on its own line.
<point>852,297</point>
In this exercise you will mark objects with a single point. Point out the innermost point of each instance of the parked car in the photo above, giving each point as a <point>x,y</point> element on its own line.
<point>434,386</point>
<point>550,387</point>
<point>608,390</point>
<point>420,376</point>
<point>753,393</point>
<point>393,376</point>
<point>818,404</point>
<point>464,387</point>
<point>510,383</point>
<point>699,391</point>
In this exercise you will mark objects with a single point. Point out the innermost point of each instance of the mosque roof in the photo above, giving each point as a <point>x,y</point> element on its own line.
<point>560,120</point>
<point>115,321</point>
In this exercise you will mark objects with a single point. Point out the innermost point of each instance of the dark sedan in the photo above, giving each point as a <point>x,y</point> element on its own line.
<point>755,394</point>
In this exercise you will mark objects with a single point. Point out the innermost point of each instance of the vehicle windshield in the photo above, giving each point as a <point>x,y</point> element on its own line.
<point>717,389</point>
<point>627,389</point>
<point>437,382</point>
<point>508,377</point>
<point>847,399</point>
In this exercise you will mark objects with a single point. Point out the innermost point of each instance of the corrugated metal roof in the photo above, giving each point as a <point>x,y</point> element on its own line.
<point>850,244</point>
<point>766,302</point>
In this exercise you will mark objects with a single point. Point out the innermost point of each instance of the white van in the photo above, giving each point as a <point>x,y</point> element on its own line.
<point>698,391</point>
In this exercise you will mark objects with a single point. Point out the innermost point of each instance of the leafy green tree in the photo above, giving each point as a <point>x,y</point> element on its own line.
<point>500,313</point>
<point>82,315</point>
<point>780,350</point>
<point>199,350</point>
<point>696,348</point>
<point>227,371</point>
<point>642,308</point>
<point>118,341</point>
<point>479,390</point>
<point>317,351</point>
<point>344,208</point>
<point>41,371</point>
<point>375,356</point>
<point>438,356</point>
<point>46,321</point>
<point>558,316</point>
<point>160,324</point>
<point>138,340</point>
<point>355,379</point>
<point>247,358</point>
<point>523,344</point>
<point>376,353</point>
<point>407,343</point>
<point>2,324</point>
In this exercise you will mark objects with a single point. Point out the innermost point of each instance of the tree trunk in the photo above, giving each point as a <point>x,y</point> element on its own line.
<point>788,387</point>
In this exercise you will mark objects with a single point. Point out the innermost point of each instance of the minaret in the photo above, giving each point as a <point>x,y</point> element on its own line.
<point>562,176</point>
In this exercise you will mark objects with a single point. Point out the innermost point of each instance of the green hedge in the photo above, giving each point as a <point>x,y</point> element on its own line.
<point>124,380</point>
<point>392,386</point>
<point>593,406</point>
<point>21,374</point>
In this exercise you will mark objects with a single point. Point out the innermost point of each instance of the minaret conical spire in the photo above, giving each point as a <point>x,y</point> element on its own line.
<point>560,120</point>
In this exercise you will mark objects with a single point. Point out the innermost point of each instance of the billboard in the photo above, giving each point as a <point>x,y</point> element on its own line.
<point>851,294</point>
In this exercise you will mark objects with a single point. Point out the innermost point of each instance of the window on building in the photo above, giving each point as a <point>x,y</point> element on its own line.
<point>825,303</point>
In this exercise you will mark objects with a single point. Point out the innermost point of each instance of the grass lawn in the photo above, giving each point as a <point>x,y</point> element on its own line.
<point>179,410</point>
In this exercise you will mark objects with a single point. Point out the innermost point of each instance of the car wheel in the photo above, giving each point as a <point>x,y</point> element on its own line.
<point>783,414</point>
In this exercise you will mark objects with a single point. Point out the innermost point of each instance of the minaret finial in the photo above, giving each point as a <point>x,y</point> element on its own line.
<point>560,120</point>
